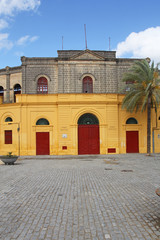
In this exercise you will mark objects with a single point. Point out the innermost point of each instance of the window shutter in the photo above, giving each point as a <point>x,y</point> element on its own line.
<point>87,85</point>
<point>8,137</point>
<point>42,85</point>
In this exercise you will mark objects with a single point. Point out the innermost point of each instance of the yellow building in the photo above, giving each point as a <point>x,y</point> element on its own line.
<point>72,124</point>
<point>71,105</point>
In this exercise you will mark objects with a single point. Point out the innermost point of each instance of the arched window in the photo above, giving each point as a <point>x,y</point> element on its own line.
<point>8,119</point>
<point>42,121</point>
<point>88,118</point>
<point>1,91</point>
<point>131,121</point>
<point>42,85</point>
<point>87,85</point>
<point>17,90</point>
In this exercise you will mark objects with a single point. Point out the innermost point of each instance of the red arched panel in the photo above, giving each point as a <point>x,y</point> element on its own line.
<point>87,85</point>
<point>42,85</point>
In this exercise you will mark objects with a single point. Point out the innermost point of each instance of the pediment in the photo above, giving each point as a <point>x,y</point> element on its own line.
<point>87,55</point>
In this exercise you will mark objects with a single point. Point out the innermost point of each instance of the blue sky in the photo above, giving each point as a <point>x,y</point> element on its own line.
<point>34,28</point>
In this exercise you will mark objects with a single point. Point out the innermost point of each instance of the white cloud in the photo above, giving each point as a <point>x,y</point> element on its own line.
<point>23,40</point>
<point>141,45</point>
<point>33,39</point>
<point>5,43</point>
<point>3,24</point>
<point>26,39</point>
<point>9,7</point>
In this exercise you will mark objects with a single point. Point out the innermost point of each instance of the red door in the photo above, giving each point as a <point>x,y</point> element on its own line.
<point>132,142</point>
<point>42,143</point>
<point>88,139</point>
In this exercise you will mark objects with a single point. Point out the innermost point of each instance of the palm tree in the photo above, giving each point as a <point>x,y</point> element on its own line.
<point>144,91</point>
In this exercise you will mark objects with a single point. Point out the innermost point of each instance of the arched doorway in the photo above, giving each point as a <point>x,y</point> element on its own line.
<point>42,139</point>
<point>132,138</point>
<point>88,134</point>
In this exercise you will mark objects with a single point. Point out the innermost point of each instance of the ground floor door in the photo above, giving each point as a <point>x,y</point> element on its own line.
<point>88,139</point>
<point>42,143</point>
<point>132,141</point>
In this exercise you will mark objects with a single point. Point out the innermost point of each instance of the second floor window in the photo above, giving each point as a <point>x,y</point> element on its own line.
<point>1,91</point>
<point>17,90</point>
<point>87,85</point>
<point>42,85</point>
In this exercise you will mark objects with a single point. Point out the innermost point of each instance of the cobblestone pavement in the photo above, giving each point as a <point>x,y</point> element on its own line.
<point>92,197</point>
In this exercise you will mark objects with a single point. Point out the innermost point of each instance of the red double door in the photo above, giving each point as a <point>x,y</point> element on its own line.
<point>88,139</point>
<point>132,142</point>
<point>42,143</point>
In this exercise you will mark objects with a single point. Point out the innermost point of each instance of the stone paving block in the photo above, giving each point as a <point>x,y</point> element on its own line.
<point>53,199</point>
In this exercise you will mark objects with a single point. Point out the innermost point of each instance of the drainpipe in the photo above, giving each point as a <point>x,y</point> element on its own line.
<point>153,131</point>
<point>153,139</point>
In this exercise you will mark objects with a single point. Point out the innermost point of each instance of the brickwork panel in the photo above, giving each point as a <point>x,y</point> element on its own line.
<point>65,73</point>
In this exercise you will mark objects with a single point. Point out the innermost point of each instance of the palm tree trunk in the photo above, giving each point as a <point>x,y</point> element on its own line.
<point>149,126</point>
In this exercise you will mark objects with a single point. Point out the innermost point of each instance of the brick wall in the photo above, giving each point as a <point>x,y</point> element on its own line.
<point>65,73</point>
<point>9,77</point>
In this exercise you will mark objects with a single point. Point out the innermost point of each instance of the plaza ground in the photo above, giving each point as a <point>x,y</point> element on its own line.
<point>82,197</point>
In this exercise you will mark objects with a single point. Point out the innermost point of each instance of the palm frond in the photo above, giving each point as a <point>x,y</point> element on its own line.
<point>144,91</point>
<point>148,87</point>
<point>132,99</point>
<point>142,69</point>
<point>145,102</point>
<point>144,83</point>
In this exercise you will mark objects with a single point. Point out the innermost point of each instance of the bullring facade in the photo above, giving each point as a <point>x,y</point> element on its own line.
<point>70,104</point>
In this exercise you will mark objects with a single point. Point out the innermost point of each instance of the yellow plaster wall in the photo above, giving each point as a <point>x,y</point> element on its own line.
<point>141,127</point>
<point>157,140</point>
<point>63,111</point>
<point>9,110</point>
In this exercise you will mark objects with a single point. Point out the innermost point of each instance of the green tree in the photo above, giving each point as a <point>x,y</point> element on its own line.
<point>143,92</point>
